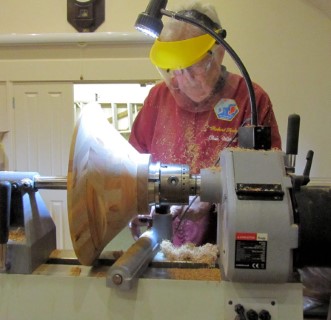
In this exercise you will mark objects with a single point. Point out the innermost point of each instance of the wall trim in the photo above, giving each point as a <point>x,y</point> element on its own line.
<point>65,38</point>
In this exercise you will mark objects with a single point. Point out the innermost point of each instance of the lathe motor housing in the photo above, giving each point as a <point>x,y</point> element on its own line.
<point>256,227</point>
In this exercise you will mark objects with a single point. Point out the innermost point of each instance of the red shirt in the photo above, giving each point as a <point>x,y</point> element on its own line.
<point>173,135</point>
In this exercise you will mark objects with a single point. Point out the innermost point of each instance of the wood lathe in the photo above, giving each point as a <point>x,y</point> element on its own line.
<point>271,225</point>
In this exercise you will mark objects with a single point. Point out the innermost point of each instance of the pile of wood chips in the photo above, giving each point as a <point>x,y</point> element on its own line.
<point>206,254</point>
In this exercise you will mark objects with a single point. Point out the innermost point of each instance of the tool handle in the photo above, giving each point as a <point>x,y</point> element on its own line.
<point>293,127</point>
<point>5,199</point>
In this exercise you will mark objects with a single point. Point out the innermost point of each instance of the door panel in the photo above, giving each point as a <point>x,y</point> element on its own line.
<point>43,127</point>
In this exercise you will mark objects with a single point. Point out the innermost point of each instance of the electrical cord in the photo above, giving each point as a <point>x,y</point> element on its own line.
<point>181,218</point>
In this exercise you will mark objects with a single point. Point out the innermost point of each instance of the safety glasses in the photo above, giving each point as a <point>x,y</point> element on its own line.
<point>201,67</point>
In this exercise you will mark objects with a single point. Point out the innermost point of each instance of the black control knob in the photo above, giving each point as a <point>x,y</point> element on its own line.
<point>252,315</point>
<point>264,315</point>
<point>240,310</point>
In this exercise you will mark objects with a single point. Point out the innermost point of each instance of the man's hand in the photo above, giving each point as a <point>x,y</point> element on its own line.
<point>190,222</point>
<point>138,222</point>
<point>193,211</point>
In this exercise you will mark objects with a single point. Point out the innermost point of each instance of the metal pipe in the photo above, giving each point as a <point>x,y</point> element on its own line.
<point>54,183</point>
<point>130,266</point>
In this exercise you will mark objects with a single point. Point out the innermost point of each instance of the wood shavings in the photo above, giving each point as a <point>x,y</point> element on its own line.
<point>189,252</point>
<point>118,254</point>
<point>252,150</point>
<point>205,274</point>
<point>17,235</point>
<point>101,274</point>
<point>75,271</point>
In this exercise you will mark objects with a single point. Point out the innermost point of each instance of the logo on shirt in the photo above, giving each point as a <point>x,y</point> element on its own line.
<point>226,109</point>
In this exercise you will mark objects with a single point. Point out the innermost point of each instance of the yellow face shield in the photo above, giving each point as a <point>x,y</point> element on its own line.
<point>181,54</point>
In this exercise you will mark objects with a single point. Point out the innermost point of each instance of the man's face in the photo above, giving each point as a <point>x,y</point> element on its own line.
<point>198,81</point>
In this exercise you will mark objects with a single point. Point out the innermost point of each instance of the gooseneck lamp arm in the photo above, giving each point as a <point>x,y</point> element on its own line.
<point>150,23</point>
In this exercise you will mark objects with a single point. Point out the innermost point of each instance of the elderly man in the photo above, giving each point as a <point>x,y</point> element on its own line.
<point>195,112</point>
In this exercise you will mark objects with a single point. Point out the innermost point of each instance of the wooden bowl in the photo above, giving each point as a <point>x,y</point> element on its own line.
<point>105,176</point>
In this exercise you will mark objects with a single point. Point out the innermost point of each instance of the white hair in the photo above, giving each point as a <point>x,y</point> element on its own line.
<point>175,30</point>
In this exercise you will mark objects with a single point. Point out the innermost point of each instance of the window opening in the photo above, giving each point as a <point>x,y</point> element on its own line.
<point>121,102</point>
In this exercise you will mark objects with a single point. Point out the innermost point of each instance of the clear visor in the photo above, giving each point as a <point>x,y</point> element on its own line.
<point>196,81</point>
<point>173,76</point>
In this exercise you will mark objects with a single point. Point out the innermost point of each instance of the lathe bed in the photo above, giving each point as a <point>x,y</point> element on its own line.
<point>62,289</point>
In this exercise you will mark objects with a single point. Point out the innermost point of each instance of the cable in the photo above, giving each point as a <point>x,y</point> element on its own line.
<point>181,218</point>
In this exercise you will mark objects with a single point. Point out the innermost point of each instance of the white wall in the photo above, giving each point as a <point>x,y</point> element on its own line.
<point>285,45</point>
<point>50,16</point>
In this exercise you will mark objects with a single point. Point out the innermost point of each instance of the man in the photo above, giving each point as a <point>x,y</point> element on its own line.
<point>195,112</point>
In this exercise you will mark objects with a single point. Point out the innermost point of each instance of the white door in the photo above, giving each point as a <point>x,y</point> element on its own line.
<point>43,127</point>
